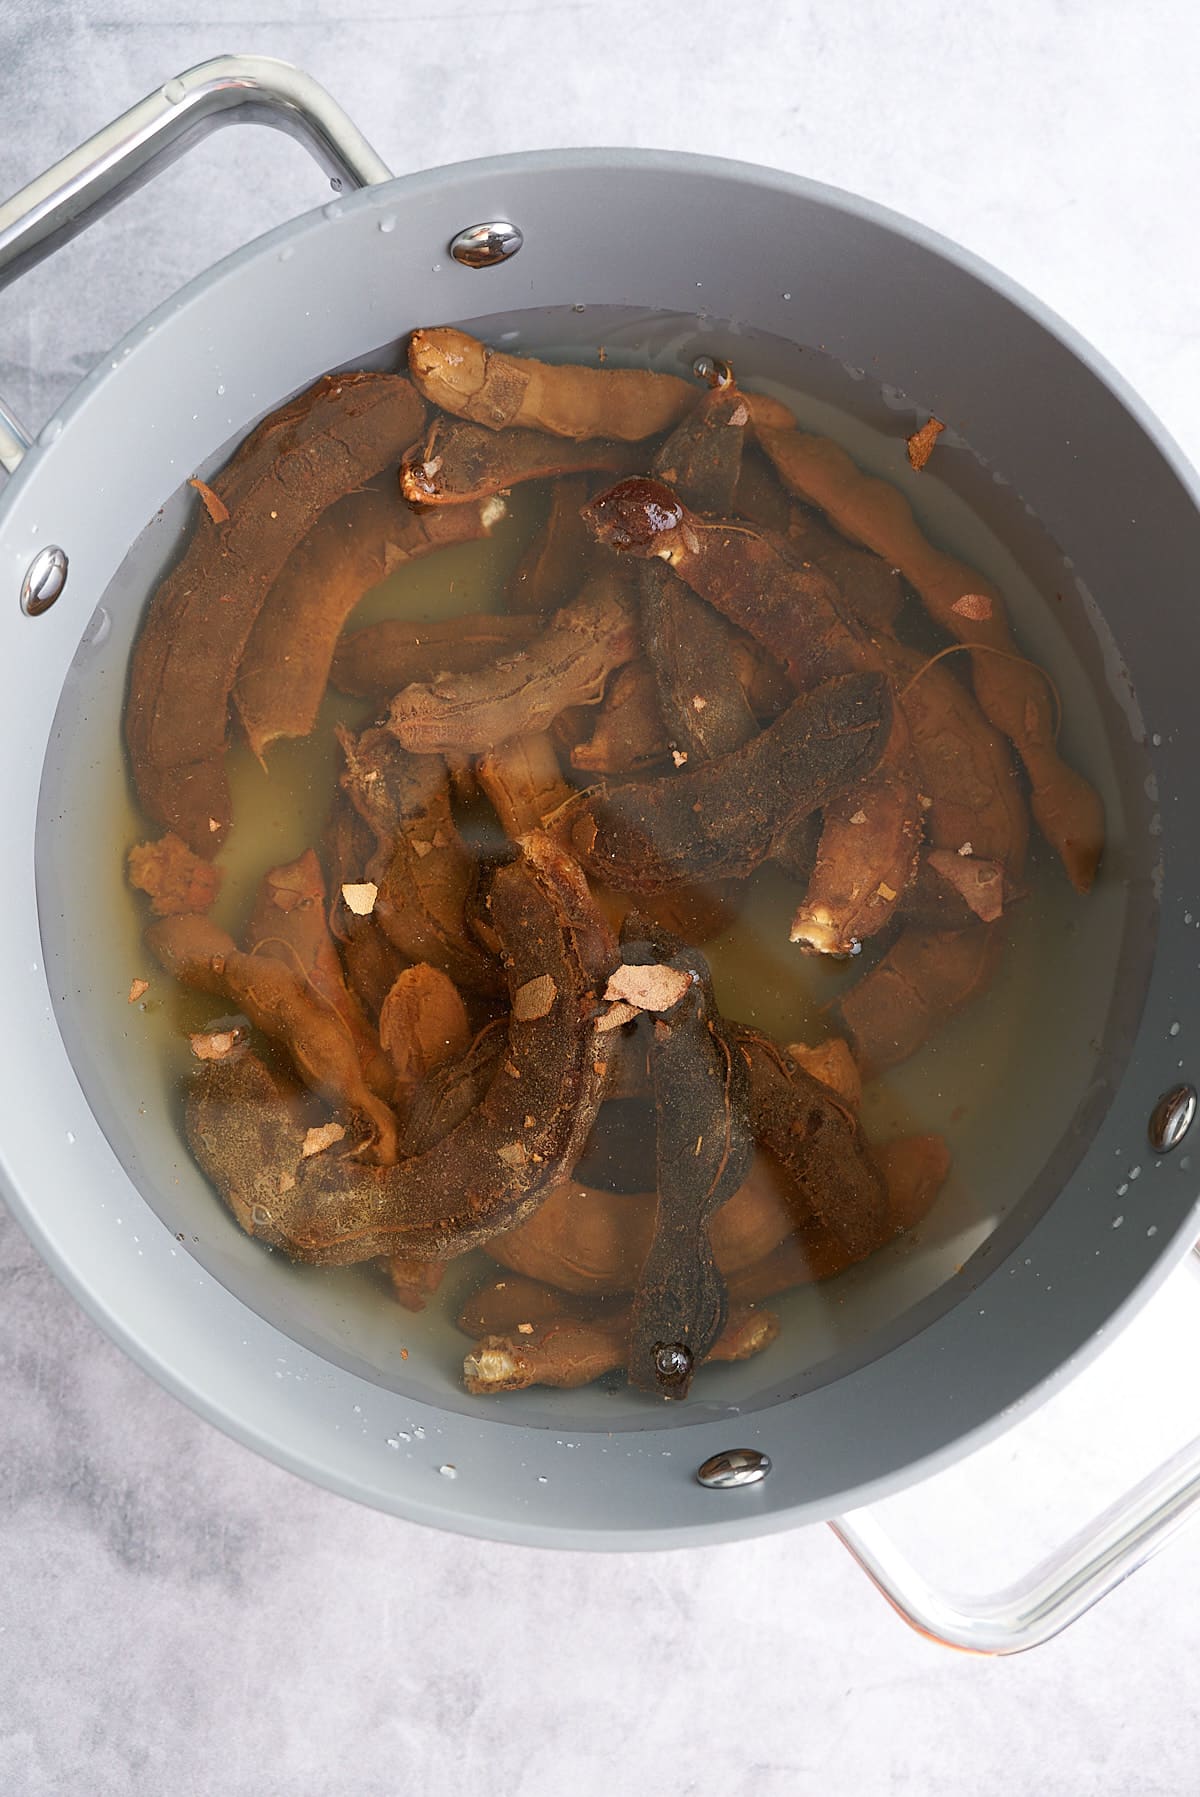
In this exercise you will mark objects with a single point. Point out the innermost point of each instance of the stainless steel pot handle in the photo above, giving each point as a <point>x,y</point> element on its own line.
<point>1055,1593</point>
<point>227,90</point>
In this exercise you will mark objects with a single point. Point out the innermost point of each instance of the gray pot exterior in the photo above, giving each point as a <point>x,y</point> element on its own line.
<point>657,232</point>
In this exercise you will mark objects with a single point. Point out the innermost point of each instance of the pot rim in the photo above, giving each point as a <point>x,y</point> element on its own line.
<point>184,1327</point>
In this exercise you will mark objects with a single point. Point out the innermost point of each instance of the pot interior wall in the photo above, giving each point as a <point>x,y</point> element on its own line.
<point>1017,1085</point>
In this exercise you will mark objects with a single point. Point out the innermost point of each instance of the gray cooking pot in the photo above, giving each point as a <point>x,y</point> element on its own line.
<point>1112,1204</point>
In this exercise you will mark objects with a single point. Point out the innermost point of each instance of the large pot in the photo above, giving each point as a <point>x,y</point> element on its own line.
<point>1091,1215</point>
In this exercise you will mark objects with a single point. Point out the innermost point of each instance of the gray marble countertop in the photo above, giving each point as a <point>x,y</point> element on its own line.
<point>178,1616</point>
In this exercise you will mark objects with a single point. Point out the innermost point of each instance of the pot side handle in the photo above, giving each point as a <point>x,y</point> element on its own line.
<point>1062,1587</point>
<point>226,90</point>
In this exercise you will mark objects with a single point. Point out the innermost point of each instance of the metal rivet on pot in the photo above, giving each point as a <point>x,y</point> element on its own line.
<point>483,246</point>
<point>45,578</point>
<point>737,1466</point>
<point>1171,1118</point>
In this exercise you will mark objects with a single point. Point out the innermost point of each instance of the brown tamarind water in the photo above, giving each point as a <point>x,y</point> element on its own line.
<point>1010,1083</point>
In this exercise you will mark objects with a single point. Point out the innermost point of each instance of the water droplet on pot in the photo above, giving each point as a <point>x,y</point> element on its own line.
<point>71,1138</point>
<point>220,389</point>
<point>448,1472</point>
<point>542,1479</point>
<point>673,1361</point>
<point>1174,1030</point>
<point>387,225</point>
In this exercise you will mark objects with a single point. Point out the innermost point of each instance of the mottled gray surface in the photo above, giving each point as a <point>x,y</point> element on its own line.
<point>177,1616</point>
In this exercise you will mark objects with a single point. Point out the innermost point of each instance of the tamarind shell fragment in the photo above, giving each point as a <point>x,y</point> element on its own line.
<point>702,457</point>
<point>523,781</point>
<point>568,1351</point>
<point>819,1141</point>
<point>913,1168</point>
<point>422,1024</point>
<point>703,1151</point>
<point>414,1282</point>
<point>871,590</point>
<point>330,440</point>
<point>443,1100</point>
<point>648,836</point>
<point>174,879</point>
<point>556,561</point>
<point>289,923</point>
<point>521,693</point>
<point>865,862</point>
<point>279,1001</point>
<point>286,662</point>
<point>497,390</point>
<point>702,699</point>
<point>629,736</point>
<point>245,1127</point>
<point>747,574</point>
<point>964,765</point>
<point>381,659</point>
<point>461,462</point>
<point>370,960</point>
<point>693,648</point>
<point>760,496</point>
<point>506,1305</point>
<point>494,1167</point>
<point>795,612</point>
<point>1012,692</point>
<point>594,1244</point>
<point>925,978</point>
<point>421,866</point>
